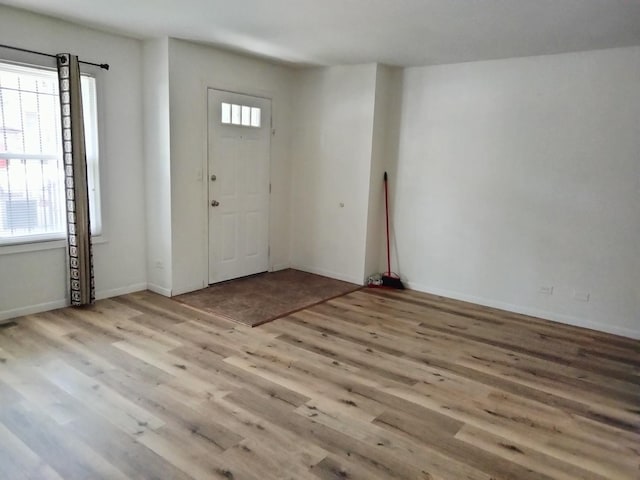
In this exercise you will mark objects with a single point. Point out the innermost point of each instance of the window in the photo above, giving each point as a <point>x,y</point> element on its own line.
<point>32,194</point>
<point>243,115</point>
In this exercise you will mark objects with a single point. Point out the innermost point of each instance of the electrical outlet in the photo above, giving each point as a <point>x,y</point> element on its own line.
<point>581,296</point>
<point>545,290</point>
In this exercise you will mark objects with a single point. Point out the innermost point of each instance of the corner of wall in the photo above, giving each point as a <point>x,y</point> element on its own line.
<point>331,169</point>
<point>157,163</point>
<point>384,158</point>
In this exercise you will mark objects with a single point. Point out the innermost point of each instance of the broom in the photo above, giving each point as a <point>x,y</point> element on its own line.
<point>389,279</point>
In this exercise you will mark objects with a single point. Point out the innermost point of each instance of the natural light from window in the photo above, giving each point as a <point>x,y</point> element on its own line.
<point>32,193</point>
<point>241,115</point>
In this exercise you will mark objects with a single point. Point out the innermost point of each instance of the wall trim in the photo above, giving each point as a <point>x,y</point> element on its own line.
<point>9,315</point>
<point>328,273</point>
<point>115,292</point>
<point>158,289</point>
<point>280,266</point>
<point>189,288</point>
<point>532,312</point>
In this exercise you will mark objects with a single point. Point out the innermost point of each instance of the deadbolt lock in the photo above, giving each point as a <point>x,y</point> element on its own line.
<point>213,178</point>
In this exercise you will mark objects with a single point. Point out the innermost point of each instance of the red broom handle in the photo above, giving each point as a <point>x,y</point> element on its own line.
<point>386,207</point>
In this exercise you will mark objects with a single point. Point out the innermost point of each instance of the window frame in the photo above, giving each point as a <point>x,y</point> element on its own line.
<point>47,241</point>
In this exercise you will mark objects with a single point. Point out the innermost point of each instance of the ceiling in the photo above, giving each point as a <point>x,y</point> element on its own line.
<point>394,32</point>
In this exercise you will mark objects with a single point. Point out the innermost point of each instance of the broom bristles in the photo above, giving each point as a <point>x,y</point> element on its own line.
<point>391,281</point>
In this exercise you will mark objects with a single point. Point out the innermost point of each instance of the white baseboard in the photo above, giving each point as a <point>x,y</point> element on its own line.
<point>189,288</point>
<point>115,292</point>
<point>280,266</point>
<point>8,315</point>
<point>157,289</point>
<point>328,273</point>
<point>532,312</point>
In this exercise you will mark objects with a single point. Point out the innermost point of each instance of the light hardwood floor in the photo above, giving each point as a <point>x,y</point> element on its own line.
<point>372,385</point>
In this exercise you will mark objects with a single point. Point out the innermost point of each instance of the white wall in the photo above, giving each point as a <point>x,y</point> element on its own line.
<point>521,173</point>
<point>192,69</point>
<point>331,148</point>
<point>37,280</point>
<point>384,157</point>
<point>157,142</point>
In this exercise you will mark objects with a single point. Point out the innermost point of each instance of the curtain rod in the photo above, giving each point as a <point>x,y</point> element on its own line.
<point>101,65</point>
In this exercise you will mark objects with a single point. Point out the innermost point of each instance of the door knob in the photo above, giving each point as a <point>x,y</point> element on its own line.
<point>215,203</point>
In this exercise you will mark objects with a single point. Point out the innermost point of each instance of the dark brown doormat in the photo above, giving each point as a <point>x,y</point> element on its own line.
<point>264,297</point>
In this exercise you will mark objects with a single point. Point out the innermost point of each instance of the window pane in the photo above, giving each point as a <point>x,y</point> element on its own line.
<point>32,194</point>
<point>255,117</point>
<point>235,114</point>
<point>226,113</point>
<point>246,115</point>
<point>31,198</point>
<point>31,182</point>
<point>90,116</point>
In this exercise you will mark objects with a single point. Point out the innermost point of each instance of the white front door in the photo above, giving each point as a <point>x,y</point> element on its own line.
<point>239,145</point>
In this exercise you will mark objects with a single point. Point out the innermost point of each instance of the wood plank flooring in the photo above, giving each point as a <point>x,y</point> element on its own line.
<point>372,385</point>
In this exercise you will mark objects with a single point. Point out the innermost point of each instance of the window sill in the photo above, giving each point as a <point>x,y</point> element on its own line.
<point>43,245</point>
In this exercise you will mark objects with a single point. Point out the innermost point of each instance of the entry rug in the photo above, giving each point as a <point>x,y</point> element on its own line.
<point>264,297</point>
